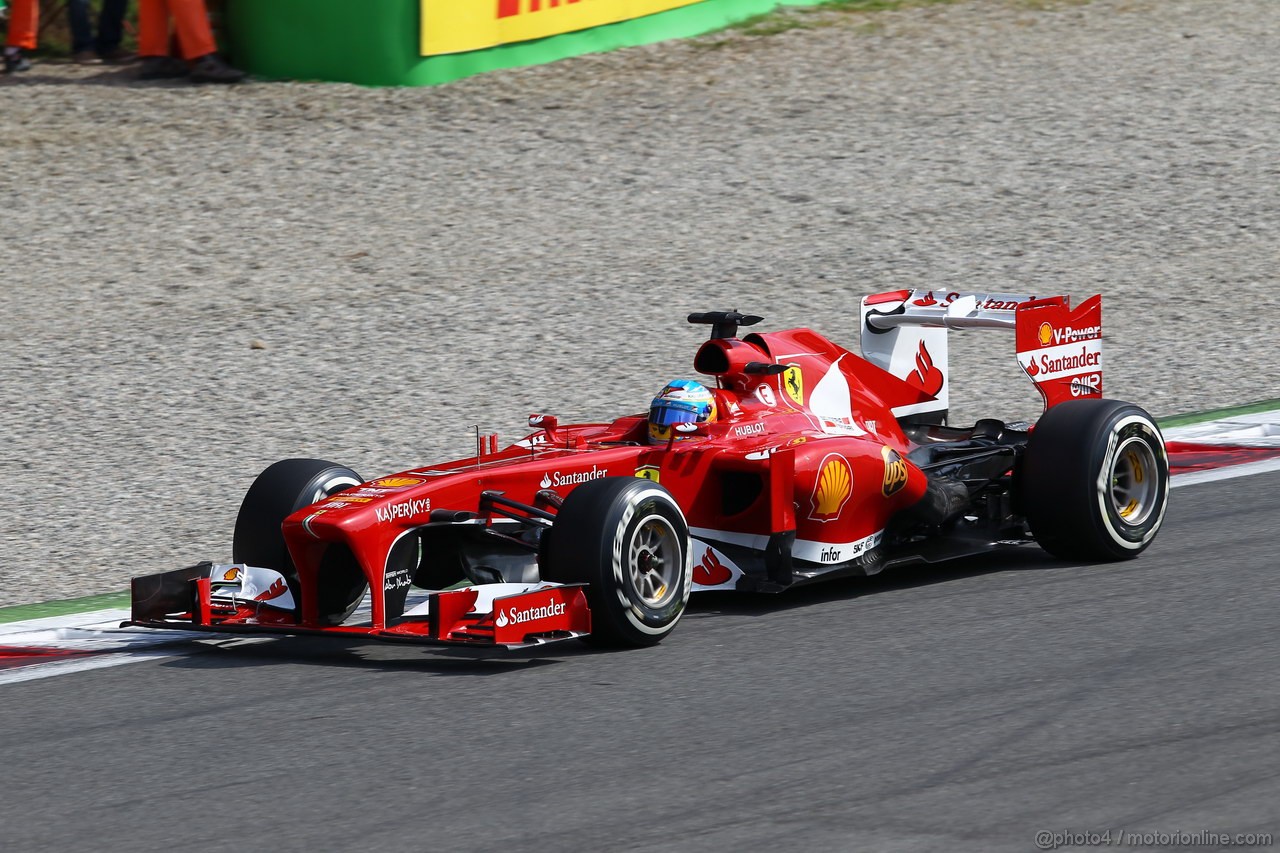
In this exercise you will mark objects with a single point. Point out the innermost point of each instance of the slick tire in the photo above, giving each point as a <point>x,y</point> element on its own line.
<point>1094,481</point>
<point>628,540</point>
<point>278,492</point>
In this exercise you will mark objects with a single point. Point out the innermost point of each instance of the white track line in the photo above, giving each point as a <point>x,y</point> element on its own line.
<point>34,671</point>
<point>90,620</point>
<point>1229,472</point>
<point>96,631</point>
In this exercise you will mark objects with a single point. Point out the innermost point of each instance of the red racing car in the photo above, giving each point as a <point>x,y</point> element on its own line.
<point>798,461</point>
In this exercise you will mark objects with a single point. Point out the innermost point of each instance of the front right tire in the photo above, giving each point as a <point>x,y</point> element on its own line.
<point>628,540</point>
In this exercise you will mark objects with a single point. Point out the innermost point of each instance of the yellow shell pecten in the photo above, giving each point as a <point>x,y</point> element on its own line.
<point>835,483</point>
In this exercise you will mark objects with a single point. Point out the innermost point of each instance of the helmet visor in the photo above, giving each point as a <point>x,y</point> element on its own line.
<point>667,412</point>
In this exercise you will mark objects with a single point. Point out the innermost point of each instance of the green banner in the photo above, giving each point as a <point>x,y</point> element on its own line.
<point>378,42</point>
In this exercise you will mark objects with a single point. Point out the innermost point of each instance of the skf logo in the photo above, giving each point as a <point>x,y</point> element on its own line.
<point>833,488</point>
<point>1045,334</point>
<point>648,472</point>
<point>793,384</point>
<point>895,472</point>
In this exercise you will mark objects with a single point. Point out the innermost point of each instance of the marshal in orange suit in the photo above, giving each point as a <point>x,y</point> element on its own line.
<point>195,39</point>
<point>24,23</point>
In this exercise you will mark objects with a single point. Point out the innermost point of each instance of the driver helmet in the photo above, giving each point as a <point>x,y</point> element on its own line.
<point>682,401</point>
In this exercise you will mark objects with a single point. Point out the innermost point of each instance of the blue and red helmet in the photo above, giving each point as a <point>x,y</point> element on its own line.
<point>683,401</point>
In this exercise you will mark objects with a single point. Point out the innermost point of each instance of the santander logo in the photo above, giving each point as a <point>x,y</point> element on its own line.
<point>710,571</point>
<point>927,377</point>
<point>278,587</point>
<point>554,479</point>
<point>530,614</point>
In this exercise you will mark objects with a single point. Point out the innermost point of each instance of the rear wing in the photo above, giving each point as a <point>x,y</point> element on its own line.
<point>1059,348</point>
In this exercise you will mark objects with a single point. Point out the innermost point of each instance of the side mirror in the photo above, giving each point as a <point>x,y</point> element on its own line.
<point>547,423</point>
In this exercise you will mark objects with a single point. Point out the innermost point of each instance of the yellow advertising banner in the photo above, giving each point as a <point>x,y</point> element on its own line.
<point>454,26</point>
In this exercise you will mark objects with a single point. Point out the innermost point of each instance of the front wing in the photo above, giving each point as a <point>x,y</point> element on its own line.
<point>487,617</point>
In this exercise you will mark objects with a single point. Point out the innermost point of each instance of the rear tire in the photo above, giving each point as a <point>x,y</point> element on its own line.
<point>1094,481</point>
<point>628,540</point>
<point>278,492</point>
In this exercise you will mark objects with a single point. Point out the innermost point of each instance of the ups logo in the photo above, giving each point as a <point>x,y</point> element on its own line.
<point>895,472</point>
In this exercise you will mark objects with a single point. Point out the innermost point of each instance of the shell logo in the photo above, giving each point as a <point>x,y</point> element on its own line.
<point>1045,334</point>
<point>396,482</point>
<point>832,489</point>
<point>231,574</point>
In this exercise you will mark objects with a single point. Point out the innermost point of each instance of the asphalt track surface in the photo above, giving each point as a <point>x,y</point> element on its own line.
<point>947,709</point>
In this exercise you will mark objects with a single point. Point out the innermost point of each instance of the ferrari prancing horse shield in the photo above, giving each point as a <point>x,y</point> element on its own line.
<point>793,384</point>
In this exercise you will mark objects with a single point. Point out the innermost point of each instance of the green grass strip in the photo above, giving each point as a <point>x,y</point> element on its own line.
<point>1218,414</point>
<point>23,612</point>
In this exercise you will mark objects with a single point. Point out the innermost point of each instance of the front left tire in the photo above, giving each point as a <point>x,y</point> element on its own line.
<point>281,490</point>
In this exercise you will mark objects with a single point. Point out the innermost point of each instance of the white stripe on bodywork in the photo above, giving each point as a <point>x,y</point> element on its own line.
<point>746,540</point>
<point>803,549</point>
<point>835,552</point>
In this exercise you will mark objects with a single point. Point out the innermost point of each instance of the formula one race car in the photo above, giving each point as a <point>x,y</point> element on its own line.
<point>803,462</point>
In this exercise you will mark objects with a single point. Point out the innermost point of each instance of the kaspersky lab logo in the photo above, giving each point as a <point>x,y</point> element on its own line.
<point>554,479</point>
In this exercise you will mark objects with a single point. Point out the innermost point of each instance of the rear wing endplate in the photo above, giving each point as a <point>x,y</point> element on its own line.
<point>1059,348</point>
